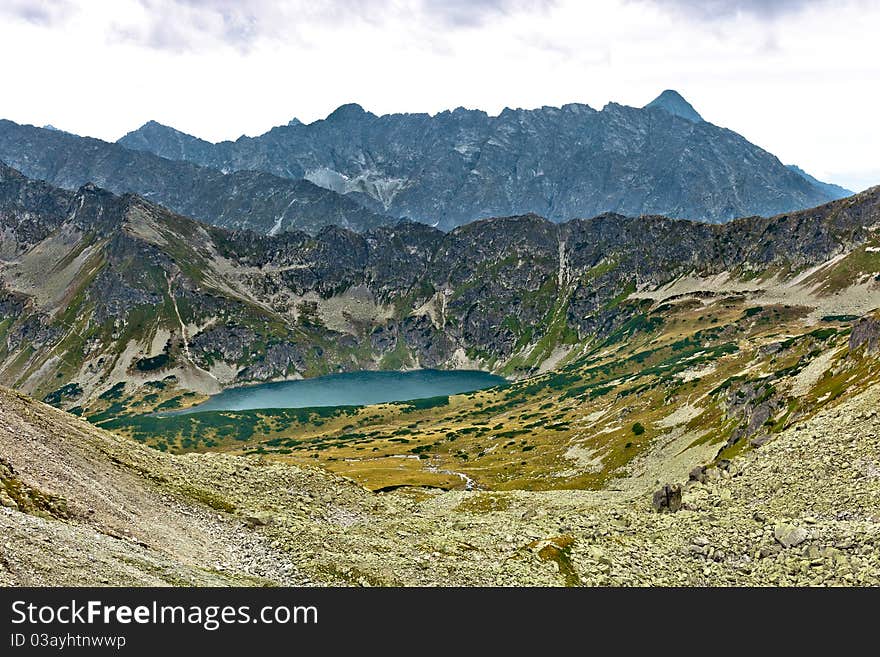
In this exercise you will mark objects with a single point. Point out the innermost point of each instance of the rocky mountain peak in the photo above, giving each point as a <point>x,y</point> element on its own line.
<point>174,144</point>
<point>348,112</point>
<point>673,102</point>
<point>154,127</point>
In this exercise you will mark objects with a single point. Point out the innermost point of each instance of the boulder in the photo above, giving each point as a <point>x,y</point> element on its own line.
<point>698,474</point>
<point>865,333</point>
<point>789,535</point>
<point>667,499</point>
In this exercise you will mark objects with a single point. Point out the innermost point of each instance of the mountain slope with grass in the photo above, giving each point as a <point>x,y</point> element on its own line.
<point>101,290</point>
<point>116,309</point>
<point>80,506</point>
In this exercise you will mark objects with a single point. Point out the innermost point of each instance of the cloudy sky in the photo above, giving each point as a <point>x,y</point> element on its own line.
<point>800,78</point>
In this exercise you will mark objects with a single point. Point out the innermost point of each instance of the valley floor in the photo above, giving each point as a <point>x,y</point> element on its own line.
<point>82,506</point>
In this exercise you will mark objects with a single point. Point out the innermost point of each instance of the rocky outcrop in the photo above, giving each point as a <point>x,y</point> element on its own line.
<point>865,333</point>
<point>667,499</point>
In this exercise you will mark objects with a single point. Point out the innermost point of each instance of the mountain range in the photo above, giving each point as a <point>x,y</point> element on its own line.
<point>241,200</point>
<point>116,308</point>
<point>359,171</point>
<point>687,402</point>
<point>559,162</point>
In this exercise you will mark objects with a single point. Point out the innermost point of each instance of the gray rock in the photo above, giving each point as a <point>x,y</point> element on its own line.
<point>698,474</point>
<point>789,535</point>
<point>865,333</point>
<point>769,551</point>
<point>667,499</point>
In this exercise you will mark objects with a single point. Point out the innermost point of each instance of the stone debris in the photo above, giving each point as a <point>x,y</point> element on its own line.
<point>803,510</point>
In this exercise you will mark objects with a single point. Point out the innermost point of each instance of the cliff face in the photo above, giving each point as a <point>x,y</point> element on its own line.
<point>561,163</point>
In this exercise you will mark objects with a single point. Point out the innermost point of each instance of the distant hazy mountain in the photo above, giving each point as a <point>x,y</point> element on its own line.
<point>564,162</point>
<point>243,199</point>
<point>834,191</point>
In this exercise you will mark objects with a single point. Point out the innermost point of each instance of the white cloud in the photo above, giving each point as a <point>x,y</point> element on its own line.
<point>194,25</point>
<point>712,10</point>
<point>37,12</point>
<point>799,79</point>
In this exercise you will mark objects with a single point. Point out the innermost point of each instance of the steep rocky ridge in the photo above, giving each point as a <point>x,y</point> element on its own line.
<point>559,162</point>
<point>242,199</point>
<point>835,191</point>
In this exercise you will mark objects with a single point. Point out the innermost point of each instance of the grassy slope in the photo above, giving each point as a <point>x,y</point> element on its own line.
<point>587,425</point>
<point>607,408</point>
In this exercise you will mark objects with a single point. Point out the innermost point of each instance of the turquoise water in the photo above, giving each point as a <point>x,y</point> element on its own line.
<point>350,389</point>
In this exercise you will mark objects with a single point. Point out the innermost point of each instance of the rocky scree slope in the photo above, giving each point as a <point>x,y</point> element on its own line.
<point>79,506</point>
<point>559,162</point>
